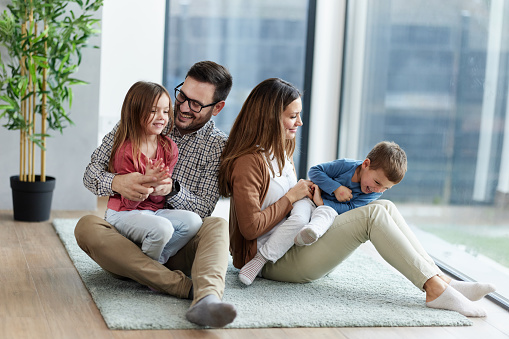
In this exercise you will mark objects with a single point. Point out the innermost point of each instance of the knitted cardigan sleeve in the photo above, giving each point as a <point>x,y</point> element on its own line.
<point>250,181</point>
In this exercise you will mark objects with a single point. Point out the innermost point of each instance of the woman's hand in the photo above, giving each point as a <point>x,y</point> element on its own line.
<point>302,189</point>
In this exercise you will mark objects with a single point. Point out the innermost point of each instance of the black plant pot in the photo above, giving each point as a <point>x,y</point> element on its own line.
<point>31,201</point>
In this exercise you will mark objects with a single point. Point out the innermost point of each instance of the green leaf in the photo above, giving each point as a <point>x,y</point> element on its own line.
<point>73,82</point>
<point>67,34</point>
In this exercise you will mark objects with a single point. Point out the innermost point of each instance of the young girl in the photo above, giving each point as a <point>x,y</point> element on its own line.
<point>140,146</point>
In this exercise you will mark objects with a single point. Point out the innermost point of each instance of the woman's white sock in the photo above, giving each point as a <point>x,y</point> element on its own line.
<point>453,300</point>
<point>472,290</point>
<point>250,270</point>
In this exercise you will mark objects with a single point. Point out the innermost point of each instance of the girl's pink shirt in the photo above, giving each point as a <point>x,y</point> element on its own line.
<point>124,163</point>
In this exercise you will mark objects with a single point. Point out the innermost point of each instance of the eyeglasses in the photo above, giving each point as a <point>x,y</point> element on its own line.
<point>194,105</point>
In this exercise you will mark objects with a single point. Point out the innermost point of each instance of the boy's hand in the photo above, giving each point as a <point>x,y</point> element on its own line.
<point>317,195</point>
<point>343,193</point>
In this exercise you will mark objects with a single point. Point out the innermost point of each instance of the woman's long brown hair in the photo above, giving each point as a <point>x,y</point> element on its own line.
<point>259,129</point>
<point>135,115</point>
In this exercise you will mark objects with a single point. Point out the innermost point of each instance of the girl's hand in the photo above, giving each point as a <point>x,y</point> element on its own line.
<point>317,195</point>
<point>302,189</point>
<point>163,183</point>
<point>163,188</point>
<point>137,187</point>
<point>157,170</point>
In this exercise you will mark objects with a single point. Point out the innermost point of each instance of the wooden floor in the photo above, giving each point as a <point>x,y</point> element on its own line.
<point>42,296</point>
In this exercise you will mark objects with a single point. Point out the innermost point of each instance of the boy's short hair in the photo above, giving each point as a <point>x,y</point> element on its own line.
<point>388,156</point>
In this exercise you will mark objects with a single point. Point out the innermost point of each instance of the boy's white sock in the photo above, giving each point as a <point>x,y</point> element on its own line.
<point>472,290</point>
<point>321,219</point>
<point>453,300</point>
<point>305,237</point>
<point>250,270</point>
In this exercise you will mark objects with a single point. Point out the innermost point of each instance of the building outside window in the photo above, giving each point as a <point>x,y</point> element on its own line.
<point>429,75</point>
<point>434,79</point>
<point>255,40</point>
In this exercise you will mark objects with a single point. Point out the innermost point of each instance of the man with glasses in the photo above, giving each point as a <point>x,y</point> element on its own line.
<point>193,187</point>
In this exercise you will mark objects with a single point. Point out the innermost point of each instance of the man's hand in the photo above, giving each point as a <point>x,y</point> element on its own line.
<point>133,186</point>
<point>343,193</point>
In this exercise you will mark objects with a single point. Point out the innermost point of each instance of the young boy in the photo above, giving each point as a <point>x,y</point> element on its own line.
<point>346,184</point>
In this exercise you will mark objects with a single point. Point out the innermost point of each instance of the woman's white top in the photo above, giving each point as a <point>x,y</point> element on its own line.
<point>280,184</point>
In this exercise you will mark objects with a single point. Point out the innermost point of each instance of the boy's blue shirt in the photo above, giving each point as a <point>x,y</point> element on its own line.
<point>330,175</point>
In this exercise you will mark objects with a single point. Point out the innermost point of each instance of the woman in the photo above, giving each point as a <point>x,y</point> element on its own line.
<point>259,148</point>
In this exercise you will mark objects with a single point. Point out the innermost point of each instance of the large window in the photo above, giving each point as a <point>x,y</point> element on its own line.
<point>254,39</point>
<point>434,79</point>
<point>431,75</point>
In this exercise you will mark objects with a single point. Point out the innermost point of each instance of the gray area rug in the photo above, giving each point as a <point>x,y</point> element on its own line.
<point>360,292</point>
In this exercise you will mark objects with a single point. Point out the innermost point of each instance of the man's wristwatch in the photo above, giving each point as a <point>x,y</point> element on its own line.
<point>175,189</point>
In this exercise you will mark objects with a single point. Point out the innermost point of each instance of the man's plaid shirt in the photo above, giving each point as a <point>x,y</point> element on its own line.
<point>196,169</point>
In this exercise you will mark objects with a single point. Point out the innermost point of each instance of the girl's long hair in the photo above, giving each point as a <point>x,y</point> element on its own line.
<point>259,128</point>
<point>135,115</point>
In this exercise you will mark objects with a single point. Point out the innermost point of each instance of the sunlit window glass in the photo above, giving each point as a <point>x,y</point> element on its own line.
<point>254,39</point>
<point>434,79</point>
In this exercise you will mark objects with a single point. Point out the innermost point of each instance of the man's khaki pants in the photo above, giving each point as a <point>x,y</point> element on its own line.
<point>201,263</point>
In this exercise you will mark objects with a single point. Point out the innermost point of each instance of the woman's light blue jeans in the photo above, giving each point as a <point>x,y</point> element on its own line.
<point>160,233</point>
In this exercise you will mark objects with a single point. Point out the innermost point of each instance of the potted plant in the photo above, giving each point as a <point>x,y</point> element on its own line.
<point>43,42</point>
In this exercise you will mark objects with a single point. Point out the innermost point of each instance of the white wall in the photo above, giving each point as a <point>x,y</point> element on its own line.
<point>131,50</point>
<point>326,86</point>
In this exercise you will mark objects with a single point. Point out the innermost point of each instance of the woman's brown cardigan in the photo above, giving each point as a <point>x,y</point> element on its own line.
<point>249,182</point>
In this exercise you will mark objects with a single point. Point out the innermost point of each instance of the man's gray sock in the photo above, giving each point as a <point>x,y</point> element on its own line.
<point>210,311</point>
